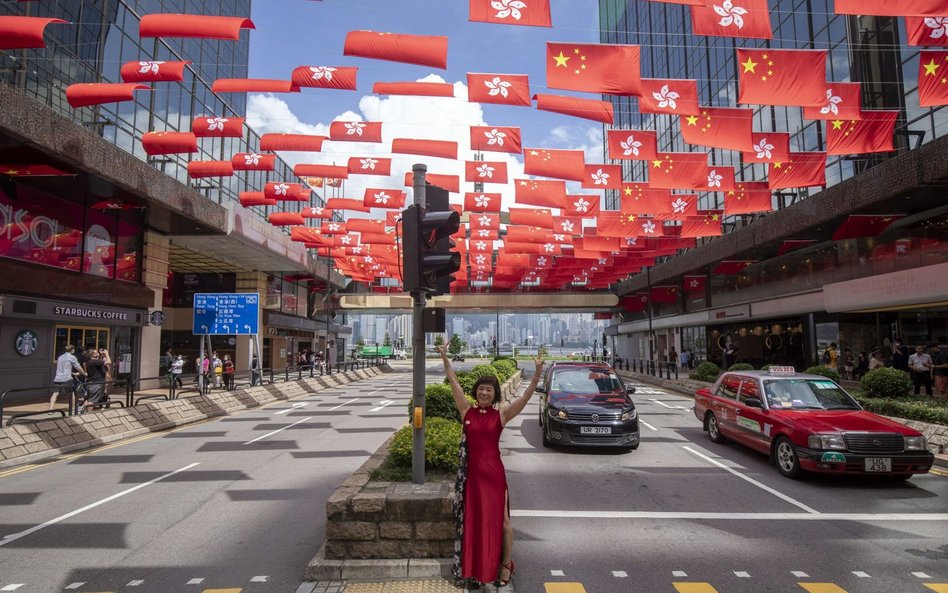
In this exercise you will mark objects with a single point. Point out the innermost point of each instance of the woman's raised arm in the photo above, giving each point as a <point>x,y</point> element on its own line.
<point>456,391</point>
<point>517,405</point>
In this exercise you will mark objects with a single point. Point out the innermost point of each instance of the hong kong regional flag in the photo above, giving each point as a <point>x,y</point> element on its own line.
<point>634,145</point>
<point>732,18</point>
<point>695,283</point>
<point>872,133</point>
<point>496,139</point>
<point>504,89</point>
<point>933,78</point>
<point>593,68</point>
<point>532,13</point>
<point>782,77</point>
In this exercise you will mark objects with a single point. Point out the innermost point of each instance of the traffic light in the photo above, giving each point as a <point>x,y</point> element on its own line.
<point>428,259</point>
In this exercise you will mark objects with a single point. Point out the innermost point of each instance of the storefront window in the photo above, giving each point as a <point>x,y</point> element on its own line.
<point>98,256</point>
<point>128,248</point>
<point>38,228</point>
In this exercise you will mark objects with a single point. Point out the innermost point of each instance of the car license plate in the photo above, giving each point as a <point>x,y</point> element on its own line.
<point>878,464</point>
<point>595,430</point>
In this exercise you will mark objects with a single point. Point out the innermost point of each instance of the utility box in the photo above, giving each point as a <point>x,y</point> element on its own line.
<point>433,320</point>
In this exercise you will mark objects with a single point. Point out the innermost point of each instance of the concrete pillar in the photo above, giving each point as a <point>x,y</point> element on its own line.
<point>155,277</point>
<point>251,282</point>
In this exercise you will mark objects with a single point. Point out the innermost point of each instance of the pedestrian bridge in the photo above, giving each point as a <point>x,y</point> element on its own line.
<point>586,302</point>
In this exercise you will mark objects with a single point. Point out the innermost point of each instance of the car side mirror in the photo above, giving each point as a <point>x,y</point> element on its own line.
<point>540,389</point>
<point>753,402</point>
<point>629,390</point>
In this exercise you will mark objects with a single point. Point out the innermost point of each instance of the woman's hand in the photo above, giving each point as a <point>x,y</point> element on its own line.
<point>538,360</point>
<point>443,350</point>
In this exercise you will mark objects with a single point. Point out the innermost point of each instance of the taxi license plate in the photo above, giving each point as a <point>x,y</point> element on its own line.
<point>878,464</point>
<point>595,430</point>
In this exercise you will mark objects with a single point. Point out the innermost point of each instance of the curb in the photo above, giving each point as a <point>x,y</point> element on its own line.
<point>941,461</point>
<point>322,569</point>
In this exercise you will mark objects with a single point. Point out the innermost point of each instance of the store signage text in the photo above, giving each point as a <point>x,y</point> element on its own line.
<point>89,313</point>
<point>41,231</point>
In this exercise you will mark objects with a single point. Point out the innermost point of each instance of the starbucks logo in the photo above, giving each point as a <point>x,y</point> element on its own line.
<point>26,342</point>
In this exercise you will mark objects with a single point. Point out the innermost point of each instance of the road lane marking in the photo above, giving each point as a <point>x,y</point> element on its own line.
<point>349,401</point>
<point>741,574</point>
<point>557,573</point>
<point>661,403</point>
<point>12,587</point>
<point>75,585</point>
<point>938,587</point>
<point>134,583</point>
<point>861,574</point>
<point>694,588</point>
<point>822,588</point>
<point>271,433</point>
<point>620,574</point>
<point>921,575</point>
<point>764,487</point>
<point>296,406</point>
<point>384,403</point>
<point>259,579</point>
<point>15,536</point>
<point>195,581</point>
<point>647,425</point>
<point>702,516</point>
<point>799,574</point>
<point>680,574</point>
<point>563,587</point>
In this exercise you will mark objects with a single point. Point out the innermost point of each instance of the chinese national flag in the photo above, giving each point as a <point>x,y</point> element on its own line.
<point>782,77</point>
<point>933,78</point>
<point>559,164</point>
<point>633,145</point>
<point>593,68</point>
<point>360,165</point>
<point>679,170</point>
<point>617,225</point>
<point>496,139</point>
<point>719,127</point>
<point>639,198</point>
<point>748,197</point>
<point>872,133</point>
<point>503,89</point>
<point>326,77</point>
<point>417,89</point>
<point>538,192</point>
<point>768,147</point>
<point>889,8</point>
<point>669,95</point>
<point>603,177</point>
<point>665,294</point>
<point>529,225</point>
<point>481,202</point>
<point>581,205</point>
<point>346,204</point>
<point>423,50</point>
<point>864,225</point>
<point>434,148</point>
<point>533,13</point>
<point>325,171</point>
<point>843,100</point>
<point>926,31</point>
<point>600,111</point>
<point>485,171</point>
<point>804,169</point>
<point>695,283</point>
<point>355,131</point>
<point>708,225</point>
<point>732,18</point>
<point>720,178</point>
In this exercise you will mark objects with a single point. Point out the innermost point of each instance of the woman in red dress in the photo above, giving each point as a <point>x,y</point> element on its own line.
<point>482,507</point>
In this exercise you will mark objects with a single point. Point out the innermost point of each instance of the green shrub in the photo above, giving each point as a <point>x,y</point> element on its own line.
<point>766,367</point>
<point>442,442</point>
<point>706,371</point>
<point>823,372</point>
<point>439,403</point>
<point>466,380</point>
<point>512,361</point>
<point>507,365</point>
<point>925,410</point>
<point>741,366</point>
<point>886,382</point>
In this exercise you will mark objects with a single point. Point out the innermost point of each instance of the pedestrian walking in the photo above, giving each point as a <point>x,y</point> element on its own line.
<point>830,358</point>
<point>177,368</point>
<point>900,356</point>
<point>67,365</point>
<point>849,364</point>
<point>684,358</point>
<point>481,505</point>
<point>920,365</point>
<point>96,368</point>
<point>940,369</point>
<point>862,365</point>
<point>228,373</point>
<point>673,356</point>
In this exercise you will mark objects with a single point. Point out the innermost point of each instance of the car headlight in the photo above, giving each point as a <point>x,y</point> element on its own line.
<point>915,444</point>
<point>827,441</point>
<point>561,414</point>
<point>629,415</point>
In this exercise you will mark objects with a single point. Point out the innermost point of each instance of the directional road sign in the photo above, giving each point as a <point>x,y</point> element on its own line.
<point>226,314</point>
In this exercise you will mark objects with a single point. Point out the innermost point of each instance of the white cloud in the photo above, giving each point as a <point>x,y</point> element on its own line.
<point>561,134</point>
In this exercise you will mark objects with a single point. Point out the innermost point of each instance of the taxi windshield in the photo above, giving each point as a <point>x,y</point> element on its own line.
<point>584,382</point>
<point>807,394</point>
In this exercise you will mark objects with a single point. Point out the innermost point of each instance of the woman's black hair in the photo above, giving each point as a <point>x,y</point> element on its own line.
<point>490,380</point>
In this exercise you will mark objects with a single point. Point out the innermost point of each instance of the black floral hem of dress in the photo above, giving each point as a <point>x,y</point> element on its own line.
<point>458,508</point>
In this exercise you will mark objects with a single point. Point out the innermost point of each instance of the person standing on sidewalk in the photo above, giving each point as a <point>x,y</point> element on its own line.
<point>920,364</point>
<point>940,369</point>
<point>66,366</point>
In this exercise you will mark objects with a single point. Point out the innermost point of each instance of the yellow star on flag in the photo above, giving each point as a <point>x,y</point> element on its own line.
<point>837,124</point>
<point>931,67</point>
<point>657,164</point>
<point>749,66</point>
<point>561,60</point>
<point>630,218</point>
<point>628,191</point>
<point>692,120</point>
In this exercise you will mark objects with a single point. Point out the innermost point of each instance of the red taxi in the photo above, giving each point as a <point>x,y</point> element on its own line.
<point>808,423</point>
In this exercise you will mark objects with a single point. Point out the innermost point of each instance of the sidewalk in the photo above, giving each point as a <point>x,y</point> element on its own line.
<point>415,586</point>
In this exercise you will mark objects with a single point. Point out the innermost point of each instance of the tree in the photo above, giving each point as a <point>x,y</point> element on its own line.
<point>439,341</point>
<point>455,346</point>
<point>387,340</point>
<point>360,342</point>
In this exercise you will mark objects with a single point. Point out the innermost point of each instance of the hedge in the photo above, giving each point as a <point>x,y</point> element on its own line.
<point>823,372</point>
<point>925,410</point>
<point>442,443</point>
<point>706,371</point>
<point>741,366</point>
<point>886,383</point>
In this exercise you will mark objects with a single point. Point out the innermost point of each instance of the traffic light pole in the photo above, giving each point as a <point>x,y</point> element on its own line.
<point>418,353</point>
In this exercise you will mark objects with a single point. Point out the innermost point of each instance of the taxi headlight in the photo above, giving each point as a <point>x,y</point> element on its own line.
<point>915,444</point>
<point>827,442</point>
<point>629,415</point>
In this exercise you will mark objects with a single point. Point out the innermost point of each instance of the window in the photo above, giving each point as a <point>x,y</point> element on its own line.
<point>749,390</point>
<point>729,387</point>
<point>80,337</point>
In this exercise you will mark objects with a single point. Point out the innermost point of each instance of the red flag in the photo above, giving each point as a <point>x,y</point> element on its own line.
<point>695,283</point>
<point>593,68</point>
<point>452,183</point>
<point>581,205</point>
<point>423,50</point>
<point>617,225</point>
<point>679,170</point>
<point>317,212</point>
<point>252,161</point>
<point>569,225</point>
<point>665,294</point>
<point>748,197</point>
<point>485,171</point>
<point>363,165</point>
<point>768,147</point>
<point>600,111</point>
<point>872,133</point>
<point>732,18</point>
<point>668,95</point>
<point>355,131</point>
<point>636,303</point>
<point>639,198</point>
<point>435,148</point>
<point>889,8</point>
<point>153,71</point>
<point>560,164</point>
<point>843,100</point>
<point>539,192</point>
<point>383,198</point>
<point>291,142</point>
<point>864,225</point>
<point>218,127</point>
<point>504,89</point>
<point>603,177</point>
<point>633,145</point>
<point>928,31</point>
<point>804,169</point>
<point>326,77</point>
<point>679,207</point>
<point>346,204</point>
<point>496,139</point>
<point>278,190</point>
<point>314,170</point>
<point>933,78</point>
<point>720,178</point>
<point>485,221</point>
<point>531,218</point>
<point>782,77</point>
<point>418,89</point>
<point>255,198</point>
<point>701,226</point>
<point>719,127</point>
<point>534,13</point>
<point>732,267</point>
<point>482,202</point>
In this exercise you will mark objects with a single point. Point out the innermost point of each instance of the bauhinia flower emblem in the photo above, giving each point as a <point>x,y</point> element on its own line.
<point>480,245</point>
<point>252,158</point>
<point>480,259</point>
<point>603,261</point>
<point>357,249</point>
<point>345,239</point>
<point>581,205</point>
<point>498,86</point>
<point>559,238</point>
<point>648,228</point>
<point>320,72</point>
<point>281,188</point>
<point>150,66</point>
<point>368,163</point>
<point>714,179</point>
<point>765,149</point>
<point>368,259</point>
<point>216,123</point>
<point>495,136</point>
<point>600,178</point>
<point>694,284</point>
<point>631,145</point>
<point>483,233</point>
<point>382,198</point>
<point>508,8</point>
<point>631,241</point>
<point>315,211</point>
<point>333,227</point>
<point>730,14</point>
<point>549,247</point>
<point>541,261</point>
<point>938,26</point>
<point>484,220</point>
<point>833,100</point>
<point>354,128</point>
<point>482,201</point>
<point>567,226</point>
<point>666,98</point>
<point>485,170</point>
<point>678,206</point>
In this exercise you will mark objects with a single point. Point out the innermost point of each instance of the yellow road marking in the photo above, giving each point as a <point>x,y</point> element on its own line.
<point>938,472</point>
<point>938,587</point>
<point>222,590</point>
<point>694,588</point>
<point>564,588</point>
<point>822,588</point>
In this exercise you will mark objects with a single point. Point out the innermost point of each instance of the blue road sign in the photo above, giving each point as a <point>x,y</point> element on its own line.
<point>226,314</point>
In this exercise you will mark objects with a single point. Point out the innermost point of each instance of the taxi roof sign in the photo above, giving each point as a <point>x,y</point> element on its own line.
<point>775,370</point>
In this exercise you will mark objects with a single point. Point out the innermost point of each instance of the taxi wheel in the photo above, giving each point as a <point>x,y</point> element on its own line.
<point>546,439</point>
<point>785,455</point>
<point>714,430</point>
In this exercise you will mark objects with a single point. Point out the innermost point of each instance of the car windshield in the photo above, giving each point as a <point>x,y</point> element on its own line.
<point>807,394</point>
<point>585,384</point>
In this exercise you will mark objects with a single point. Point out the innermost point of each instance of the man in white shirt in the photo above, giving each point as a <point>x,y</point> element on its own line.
<point>66,365</point>
<point>920,365</point>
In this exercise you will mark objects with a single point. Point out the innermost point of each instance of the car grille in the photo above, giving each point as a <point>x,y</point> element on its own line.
<point>588,417</point>
<point>874,442</point>
<point>598,440</point>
